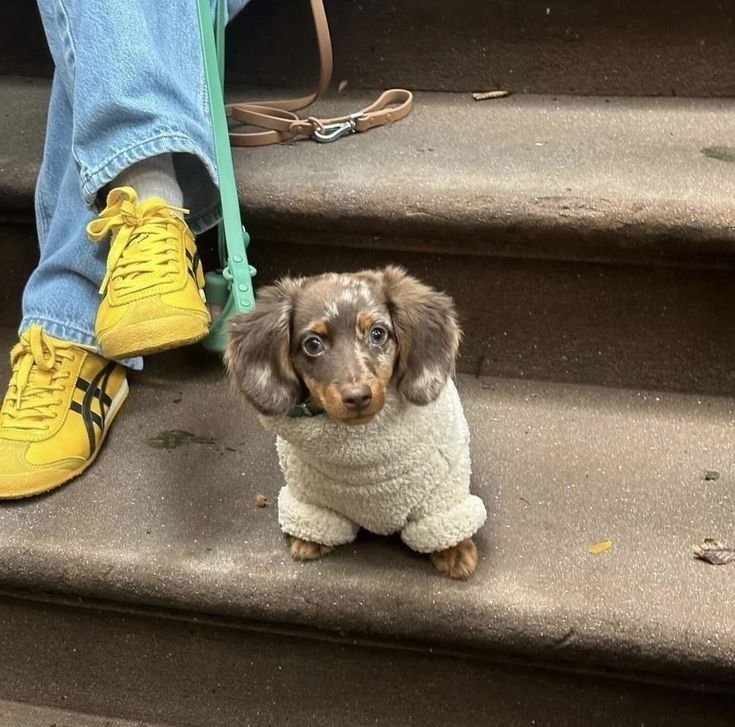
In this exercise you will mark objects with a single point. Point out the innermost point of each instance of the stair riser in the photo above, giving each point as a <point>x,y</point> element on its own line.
<point>628,326</point>
<point>185,673</point>
<point>639,327</point>
<point>564,47</point>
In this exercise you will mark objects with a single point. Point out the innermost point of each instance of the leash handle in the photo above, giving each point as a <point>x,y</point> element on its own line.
<point>237,271</point>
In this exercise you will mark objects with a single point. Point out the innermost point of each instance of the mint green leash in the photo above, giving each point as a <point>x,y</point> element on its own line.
<point>230,289</point>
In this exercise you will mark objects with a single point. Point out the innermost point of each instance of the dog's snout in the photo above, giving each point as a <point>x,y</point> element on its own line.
<point>356,396</point>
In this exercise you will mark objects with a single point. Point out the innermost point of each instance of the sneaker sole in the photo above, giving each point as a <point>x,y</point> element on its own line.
<point>150,338</point>
<point>117,402</point>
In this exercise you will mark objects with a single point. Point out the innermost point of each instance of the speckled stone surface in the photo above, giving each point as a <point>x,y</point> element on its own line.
<point>559,46</point>
<point>196,674</point>
<point>611,325</point>
<point>560,468</point>
<point>526,176</point>
<point>17,714</point>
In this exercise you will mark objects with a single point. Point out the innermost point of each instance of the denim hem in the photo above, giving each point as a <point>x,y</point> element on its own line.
<point>164,142</point>
<point>207,219</point>
<point>67,332</point>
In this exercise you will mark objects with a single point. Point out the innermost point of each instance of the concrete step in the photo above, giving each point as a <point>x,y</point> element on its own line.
<point>565,47</point>
<point>560,178</point>
<point>175,531</point>
<point>610,325</point>
<point>584,241</point>
<point>201,672</point>
<point>19,714</point>
<point>587,241</point>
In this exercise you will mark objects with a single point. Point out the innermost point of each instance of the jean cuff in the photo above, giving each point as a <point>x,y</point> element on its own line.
<point>84,339</point>
<point>204,213</point>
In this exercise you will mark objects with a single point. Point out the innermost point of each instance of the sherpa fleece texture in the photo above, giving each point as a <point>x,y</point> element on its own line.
<point>407,470</point>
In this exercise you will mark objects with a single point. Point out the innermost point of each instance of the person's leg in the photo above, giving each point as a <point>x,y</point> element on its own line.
<point>62,397</point>
<point>128,102</point>
<point>134,76</point>
<point>62,293</point>
<point>129,87</point>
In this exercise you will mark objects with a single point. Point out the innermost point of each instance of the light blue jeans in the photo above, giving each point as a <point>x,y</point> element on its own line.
<point>129,84</point>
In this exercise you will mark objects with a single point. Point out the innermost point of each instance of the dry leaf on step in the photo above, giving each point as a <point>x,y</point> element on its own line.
<point>714,552</point>
<point>486,95</point>
<point>601,547</point>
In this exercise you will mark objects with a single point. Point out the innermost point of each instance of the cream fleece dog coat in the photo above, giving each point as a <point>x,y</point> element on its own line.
<point>407,470</point>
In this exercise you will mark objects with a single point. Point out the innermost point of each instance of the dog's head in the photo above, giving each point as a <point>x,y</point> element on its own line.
<point>342,340</point>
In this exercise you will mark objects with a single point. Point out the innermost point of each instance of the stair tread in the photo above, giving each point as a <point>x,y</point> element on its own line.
<point>21,714</point>
<point>560,467</point>
<point>525,176</point>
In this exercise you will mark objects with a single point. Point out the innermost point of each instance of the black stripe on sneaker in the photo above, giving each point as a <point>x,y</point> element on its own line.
<point>84,386</point>
<point>95,389</point>
<point>104,399</point>
<point>195,263</point>
<point>96,418</point>
<point>88,419</point>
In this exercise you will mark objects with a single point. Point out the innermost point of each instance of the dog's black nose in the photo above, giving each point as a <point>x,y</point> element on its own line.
<point>356,396</point>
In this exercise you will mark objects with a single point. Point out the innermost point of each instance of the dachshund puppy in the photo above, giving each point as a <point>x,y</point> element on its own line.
<point>353,372</point>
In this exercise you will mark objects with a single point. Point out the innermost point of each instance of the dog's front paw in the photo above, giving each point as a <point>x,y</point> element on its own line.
<point>458,562</point>
<point>306,550</point>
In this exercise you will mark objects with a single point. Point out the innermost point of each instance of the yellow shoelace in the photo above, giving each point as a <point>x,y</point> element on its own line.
<point>143,252</point>
<point>32,397</point>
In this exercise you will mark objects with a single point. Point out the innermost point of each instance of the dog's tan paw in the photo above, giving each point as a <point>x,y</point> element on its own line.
<point>306,550</point>
<point>458,562</point>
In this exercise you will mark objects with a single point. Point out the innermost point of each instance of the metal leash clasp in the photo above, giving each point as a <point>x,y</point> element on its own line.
<point>327,133</point>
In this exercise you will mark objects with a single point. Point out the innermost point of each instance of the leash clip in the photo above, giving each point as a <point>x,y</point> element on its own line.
<point>327,133</point>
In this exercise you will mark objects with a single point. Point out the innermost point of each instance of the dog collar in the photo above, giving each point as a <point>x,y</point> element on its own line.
<point>306,409</point>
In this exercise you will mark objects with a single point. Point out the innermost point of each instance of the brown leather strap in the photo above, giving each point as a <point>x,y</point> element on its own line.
<point>280,123</point>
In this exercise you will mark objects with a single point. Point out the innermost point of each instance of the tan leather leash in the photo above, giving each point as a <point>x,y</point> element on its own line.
<point>280,123</point>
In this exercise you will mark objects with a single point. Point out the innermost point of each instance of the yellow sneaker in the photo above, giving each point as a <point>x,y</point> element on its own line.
<point>153,297</point>
<point>57,411</point>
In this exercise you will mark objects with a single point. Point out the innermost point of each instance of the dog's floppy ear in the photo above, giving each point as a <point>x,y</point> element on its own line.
<point>427,332</point>
<point>258,355</point>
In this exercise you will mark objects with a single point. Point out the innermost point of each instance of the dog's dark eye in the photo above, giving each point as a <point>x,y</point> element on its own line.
<point>313,345</point>
<point>378,335</point>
